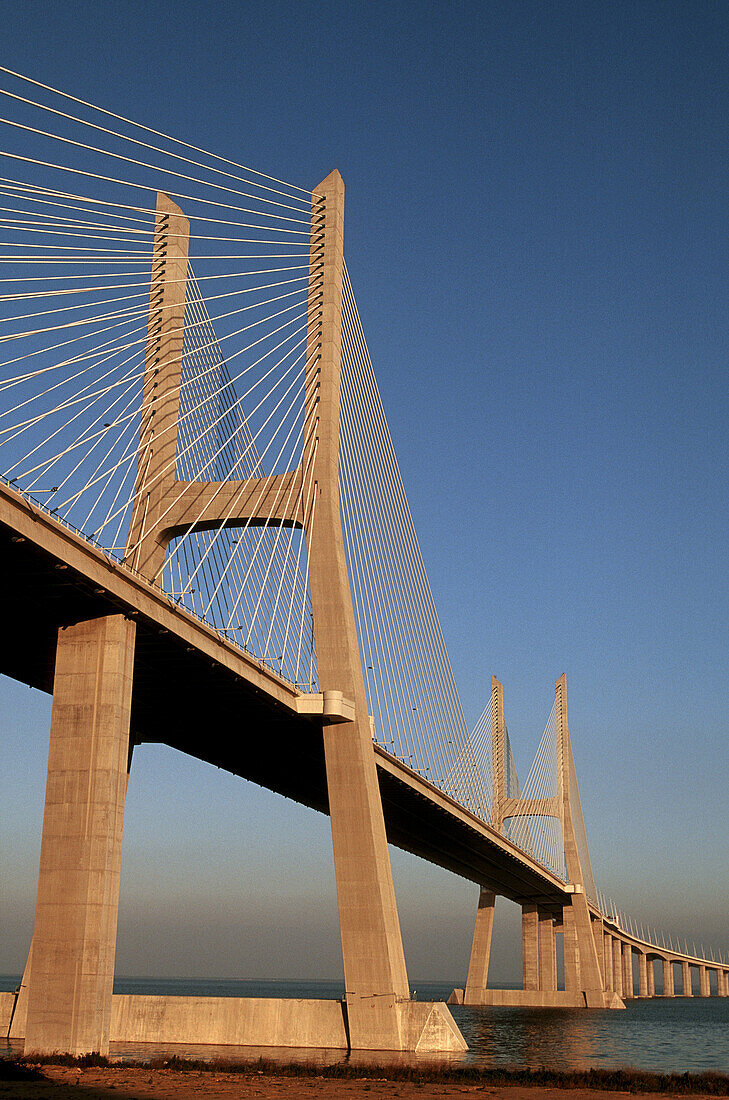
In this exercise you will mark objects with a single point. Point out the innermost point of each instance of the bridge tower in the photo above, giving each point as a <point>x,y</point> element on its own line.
<point>69,1006</point>
<point>583,975</point>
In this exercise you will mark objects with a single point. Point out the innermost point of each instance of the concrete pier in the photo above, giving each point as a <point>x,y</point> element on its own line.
<point>478,968</point>
<point>686,980</point>
<point>651,974</point>
<point>547,952</point>
<point>628,990</point>
<point>617,967</point>
<point>668,990</point>
<point>642,975</point>
<point>74,940</point>
<point>530,946</point>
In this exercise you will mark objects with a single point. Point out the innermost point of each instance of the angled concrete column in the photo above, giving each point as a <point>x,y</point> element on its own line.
<point>628,990</point>
<point>651,978</point>
<point>571,954</point>
<point>590,976</point>
<point>668,990</point>
<point>478,967</point>
<point>704,986</point>
<point>374,961</point>
<point>74,940</point>
<point>547,952</point>
<point>530,946</point>
<point>607,954</point>
<point>618,967</point>
<point>686,979</point>
<point>642,975</point>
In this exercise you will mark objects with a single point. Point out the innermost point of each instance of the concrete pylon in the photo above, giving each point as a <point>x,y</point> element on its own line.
<point>668,990</point>
<point>478,967</point>
<point>627,971</point>
<point>530,946</point>
<point>651,976</point>
<point>74,939</point>
<point>642,975</point>
<point>686,980</point>
<point>618,967</point>
<point>374,962</point>
<point>591,981</point>
<point>547,952</point>
<point>147,539</point>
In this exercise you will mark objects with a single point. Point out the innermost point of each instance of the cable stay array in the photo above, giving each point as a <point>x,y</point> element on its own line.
<point>411,691</point>
<point>78,225</point>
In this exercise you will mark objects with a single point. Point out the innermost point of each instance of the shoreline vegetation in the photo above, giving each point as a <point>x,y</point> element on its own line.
<point>33,1070</point>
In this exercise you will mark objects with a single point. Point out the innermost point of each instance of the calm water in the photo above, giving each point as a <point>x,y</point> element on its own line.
<point>680,1034</point>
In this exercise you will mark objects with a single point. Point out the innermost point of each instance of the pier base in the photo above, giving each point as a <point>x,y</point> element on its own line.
<point>424,1027</point>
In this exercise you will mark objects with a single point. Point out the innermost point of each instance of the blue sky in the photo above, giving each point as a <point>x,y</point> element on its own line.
<point>536,232</point>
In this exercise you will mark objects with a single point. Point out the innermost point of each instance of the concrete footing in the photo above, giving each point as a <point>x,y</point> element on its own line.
<point>424,1027</point>
<point>540,998</point>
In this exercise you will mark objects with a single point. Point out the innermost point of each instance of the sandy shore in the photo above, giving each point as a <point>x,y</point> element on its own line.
<point>117,1082</point>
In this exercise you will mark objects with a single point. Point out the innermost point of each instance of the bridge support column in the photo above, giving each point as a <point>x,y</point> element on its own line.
<point>721,978</point>
<point>704,986</point>
<point>628,990</point>
<point>642,975</point>
<point>651,974</point>
<point>617,967</point>
<point>571,954</point>
<point>668,990</point>
<point>478,967</point>
<point>607,955</point>
<point>530,946</point>
<point>74,940</point>
<point>686,986</point>
<point>547,952</point>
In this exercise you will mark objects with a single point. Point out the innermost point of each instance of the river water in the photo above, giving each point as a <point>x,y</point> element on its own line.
<point>680,1034</point>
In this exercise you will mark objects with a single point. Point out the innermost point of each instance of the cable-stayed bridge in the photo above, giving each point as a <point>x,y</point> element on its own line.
<point>207,543</point>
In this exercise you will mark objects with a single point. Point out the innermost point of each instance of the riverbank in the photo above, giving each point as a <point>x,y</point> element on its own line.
<point>69,1079</point>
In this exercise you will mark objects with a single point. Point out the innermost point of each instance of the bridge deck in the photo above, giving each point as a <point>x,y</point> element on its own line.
<point>202,695</point>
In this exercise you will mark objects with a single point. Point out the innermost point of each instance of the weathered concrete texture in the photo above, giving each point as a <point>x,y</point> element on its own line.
<point>723,989</point>
<point>423,1026</point>
<point>7,1000</point>
<point>547,952</point>
<point>428,1028</point>
<point>374,961</point>
<point>704,986</point>
<point>530,946</point>
<point>74,940</point>
<point>228,1021</point>
<point>651,975</point>
<point>571,956</point>
<point>478,967</point>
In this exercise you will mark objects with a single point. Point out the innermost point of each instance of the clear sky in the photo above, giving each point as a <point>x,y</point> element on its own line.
<point>537,231</point>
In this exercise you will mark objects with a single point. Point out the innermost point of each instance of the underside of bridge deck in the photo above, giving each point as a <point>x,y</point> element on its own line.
<point>205,698</point>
